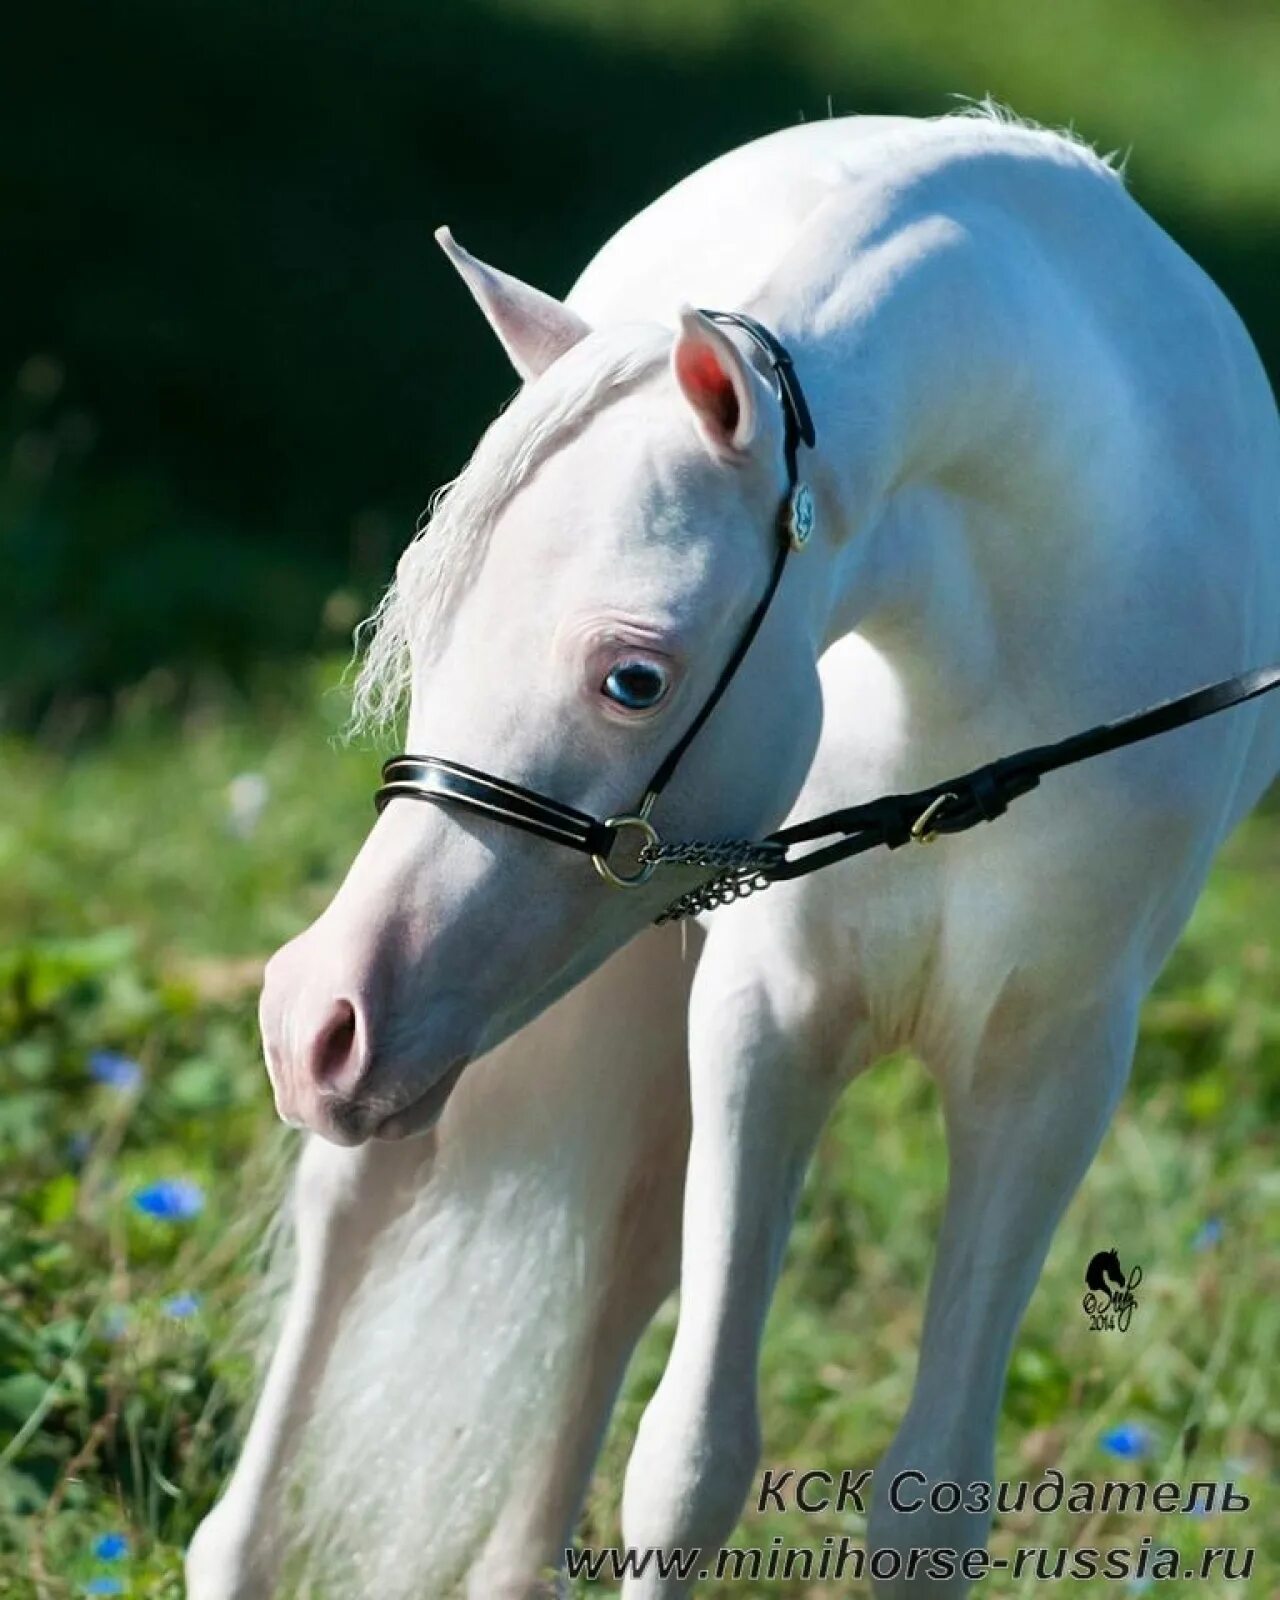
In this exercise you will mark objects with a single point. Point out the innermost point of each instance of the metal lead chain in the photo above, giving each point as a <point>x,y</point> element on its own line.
<point>724,854</point>
<point>740,866</point>
<point>726,890</point>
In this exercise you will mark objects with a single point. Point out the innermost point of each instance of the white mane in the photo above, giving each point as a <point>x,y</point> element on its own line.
<point>453,535</point>
<point>990,110</point>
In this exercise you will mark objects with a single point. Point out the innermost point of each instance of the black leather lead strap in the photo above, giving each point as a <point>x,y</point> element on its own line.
<point>986,793</point>
<point>1162,718</point>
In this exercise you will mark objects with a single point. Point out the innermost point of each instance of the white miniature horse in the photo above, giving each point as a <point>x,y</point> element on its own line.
<point>1047,481</point>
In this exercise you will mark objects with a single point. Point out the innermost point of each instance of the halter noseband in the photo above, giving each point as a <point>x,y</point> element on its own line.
<point>740,867</point>
<point>448,782</point>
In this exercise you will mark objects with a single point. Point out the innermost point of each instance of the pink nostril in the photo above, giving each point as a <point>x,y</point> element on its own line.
<point>334,1053</point>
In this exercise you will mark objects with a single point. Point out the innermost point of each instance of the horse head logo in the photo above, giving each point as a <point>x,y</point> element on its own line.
<point>1105,1265</point>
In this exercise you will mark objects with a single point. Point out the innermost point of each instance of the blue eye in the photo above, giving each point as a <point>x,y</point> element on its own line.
<point>636,685</point>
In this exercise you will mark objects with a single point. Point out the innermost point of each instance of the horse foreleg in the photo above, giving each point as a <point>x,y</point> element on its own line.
<point>1023,1124</point>
<point>764,1073</point>
<point>342,1199</point>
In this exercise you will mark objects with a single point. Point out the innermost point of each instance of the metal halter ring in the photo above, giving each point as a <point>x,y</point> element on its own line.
<point>649,839</point>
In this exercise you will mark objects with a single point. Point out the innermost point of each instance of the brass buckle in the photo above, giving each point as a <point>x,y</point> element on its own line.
<point>649,836</point>
<point>921,832</point>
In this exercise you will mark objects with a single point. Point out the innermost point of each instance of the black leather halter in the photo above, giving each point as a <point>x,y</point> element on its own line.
<point>432,778</point>
<point>741,867</point>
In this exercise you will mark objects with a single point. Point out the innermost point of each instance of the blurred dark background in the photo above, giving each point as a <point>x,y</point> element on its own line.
<point>233,363</point>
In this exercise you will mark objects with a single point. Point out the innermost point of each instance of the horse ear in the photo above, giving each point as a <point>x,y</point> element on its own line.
<point>534,329</point>
<point>718,382</point>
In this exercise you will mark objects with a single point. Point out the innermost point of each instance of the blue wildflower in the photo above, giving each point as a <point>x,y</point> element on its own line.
<point>110,1546</point>
<point>115,1323</point>
<point>171,1199</point>
<point>1209,1235</point>
<point>104,1586</point>
<point>1127,1439</point>
<point>114,1070</point>
<point>182,1305</point>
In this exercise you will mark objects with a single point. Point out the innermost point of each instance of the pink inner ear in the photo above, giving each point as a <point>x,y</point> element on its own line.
<point>708,385</point>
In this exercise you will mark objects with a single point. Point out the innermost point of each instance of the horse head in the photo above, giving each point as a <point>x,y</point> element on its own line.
<point>567,609</point>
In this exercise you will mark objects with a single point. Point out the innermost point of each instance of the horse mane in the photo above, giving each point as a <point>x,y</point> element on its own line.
<point>992,111</point>
<point>453,534</point>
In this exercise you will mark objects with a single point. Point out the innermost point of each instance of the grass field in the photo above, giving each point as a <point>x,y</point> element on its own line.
<point>140,885</point>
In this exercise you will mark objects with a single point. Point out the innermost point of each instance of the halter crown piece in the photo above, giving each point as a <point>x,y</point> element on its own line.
<point>740,867</point>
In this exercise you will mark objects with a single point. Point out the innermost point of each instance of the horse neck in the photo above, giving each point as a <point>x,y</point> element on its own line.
<point>967,450</point>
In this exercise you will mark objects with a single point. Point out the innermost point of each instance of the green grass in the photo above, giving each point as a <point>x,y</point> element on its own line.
<point>134,917</point>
